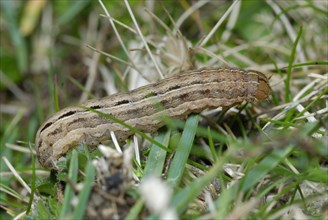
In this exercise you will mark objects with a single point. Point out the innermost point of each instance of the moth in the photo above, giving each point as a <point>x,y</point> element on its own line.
<point>178,96</point>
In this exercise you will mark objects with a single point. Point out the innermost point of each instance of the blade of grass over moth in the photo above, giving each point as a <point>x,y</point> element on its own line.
<point>143,135</point>
<point>83,198</point>
<point>156,158</point>
<point>69,191</point>
<point>182,152</point>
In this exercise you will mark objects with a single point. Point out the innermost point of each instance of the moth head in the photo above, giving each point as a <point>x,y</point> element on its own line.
<point>263,89</point>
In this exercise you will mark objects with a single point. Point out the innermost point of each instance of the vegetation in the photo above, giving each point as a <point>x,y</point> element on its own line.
<point>253,161</point>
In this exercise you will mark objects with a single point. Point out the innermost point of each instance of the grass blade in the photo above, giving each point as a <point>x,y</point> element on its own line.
<point>223,204</point>
<point>156,158</point>
<point>83,199</point>
<point>264,167</point>
<point>143,135</point>
<point>182,152</point>
<point>189,193</point>
<point>69,191</point>
<point>288,95</point>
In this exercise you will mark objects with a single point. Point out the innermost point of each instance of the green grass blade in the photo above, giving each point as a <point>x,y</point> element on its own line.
<point>211,145</point>
<point>223,204</point>
<point>33,178</point>
<point>81,87</point>
<point>264,167</point>
<point>183,198</point>
<point>156,158</point>
<point>182,152</point>
<point>201,131</point>
<point>83,199</point>
<point>55,90</point>
<point>311,63</point>
<point>143,135</point>
<point>135,210</point>
<point>288,95</point>
<point>69,191</point>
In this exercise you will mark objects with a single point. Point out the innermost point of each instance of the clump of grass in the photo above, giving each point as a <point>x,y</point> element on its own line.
<point>260,161</point>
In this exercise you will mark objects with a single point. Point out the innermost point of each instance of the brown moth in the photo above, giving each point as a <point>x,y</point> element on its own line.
<point>189,92</point>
